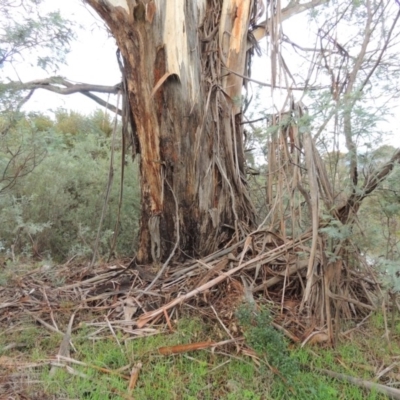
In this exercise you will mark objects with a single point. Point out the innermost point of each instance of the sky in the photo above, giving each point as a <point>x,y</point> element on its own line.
<point>93,60</point>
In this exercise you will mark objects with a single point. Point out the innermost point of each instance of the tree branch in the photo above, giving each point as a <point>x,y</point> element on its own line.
<point>371,183</point>
<point>62,86</point>
<point>292,9</point>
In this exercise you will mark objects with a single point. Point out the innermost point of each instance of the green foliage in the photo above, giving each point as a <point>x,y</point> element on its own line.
<point>292,380</point>
<point>336,230</point>
<point>53,209</point>
<point>27,31</point>
<point>389,273</point>
<point>266,340</point>
<point>379,223</point>
<point>22,149</point>
<point>270,345</point>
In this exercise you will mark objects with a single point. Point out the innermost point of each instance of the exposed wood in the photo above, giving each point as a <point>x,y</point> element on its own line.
<point>187,126</point>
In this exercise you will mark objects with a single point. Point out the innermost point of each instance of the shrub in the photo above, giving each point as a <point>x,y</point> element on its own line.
<point>55,209</point>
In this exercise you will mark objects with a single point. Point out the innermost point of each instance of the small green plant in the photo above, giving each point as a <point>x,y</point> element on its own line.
<point>266,340</point>
<point>271,346</point>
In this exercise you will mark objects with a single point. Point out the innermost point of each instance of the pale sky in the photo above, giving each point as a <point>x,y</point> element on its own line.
<point>92,60</point>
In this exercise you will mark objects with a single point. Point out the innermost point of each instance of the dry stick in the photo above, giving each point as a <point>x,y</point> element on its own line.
<point>221,170</point>
<point>287,333</point>
<point>103,277</point>
<point>101,369</point>
<point>386,370</point>
<point>108,189</point>
<point>222,324</point>
<point>145,318</point>
<point>386,390</point>
<point>207,259</point>
<point>69,369</point>
<point>349,300</point>
<point>387,333</point>
<point>358,325</point>
<point>51,310</point>
<point>184,348</point>
<point>121,195</point>
<point>44,323</point>
<point>276,279</point>
<point>113,333</point>
<point>64,346</point>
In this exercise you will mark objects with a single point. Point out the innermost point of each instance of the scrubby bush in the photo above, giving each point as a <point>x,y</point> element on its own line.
<point>54,210</point>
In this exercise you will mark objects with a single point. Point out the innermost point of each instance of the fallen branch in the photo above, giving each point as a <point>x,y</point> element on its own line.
<point>184,348</point>
<point>386,390</point>
<point>147,317</point>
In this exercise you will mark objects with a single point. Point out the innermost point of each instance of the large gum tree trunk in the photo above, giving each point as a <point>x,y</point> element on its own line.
<point>177,56</point>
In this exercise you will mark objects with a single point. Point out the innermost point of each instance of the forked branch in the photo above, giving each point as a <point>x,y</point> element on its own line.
<point>61,85</point>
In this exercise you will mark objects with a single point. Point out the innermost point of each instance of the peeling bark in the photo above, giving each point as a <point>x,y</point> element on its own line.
<point>186,108</point>
<point>184,63</point>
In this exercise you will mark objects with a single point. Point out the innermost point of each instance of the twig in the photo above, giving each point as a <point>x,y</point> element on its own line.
<point>145,318</point>
<point>222,324</point>
<point>386,390</point>
<point>101,369</point>
<point>387,333</point>
<point>113,332</point>
<point>386,370</point>
<point>44,323</point>
<point>358,325</point>
<point>51,310</point>
<point>64,346</point>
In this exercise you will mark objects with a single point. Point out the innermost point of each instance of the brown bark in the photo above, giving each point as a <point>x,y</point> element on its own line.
<point>186,109</point>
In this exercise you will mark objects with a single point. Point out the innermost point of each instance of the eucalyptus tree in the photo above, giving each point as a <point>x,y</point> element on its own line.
<point>184,65</point>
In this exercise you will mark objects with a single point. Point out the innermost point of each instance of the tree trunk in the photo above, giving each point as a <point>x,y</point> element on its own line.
<point>186,107</point>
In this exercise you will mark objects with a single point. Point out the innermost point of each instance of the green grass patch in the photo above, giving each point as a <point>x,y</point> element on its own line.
<point>285,372</point>
<point>196,375</point>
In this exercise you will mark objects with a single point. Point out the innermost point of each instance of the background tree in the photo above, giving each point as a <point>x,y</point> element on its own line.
<point>336,117</point>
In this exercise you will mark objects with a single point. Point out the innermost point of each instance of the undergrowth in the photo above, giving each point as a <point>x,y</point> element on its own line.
<point>283,372</point>
<point>288,381</point>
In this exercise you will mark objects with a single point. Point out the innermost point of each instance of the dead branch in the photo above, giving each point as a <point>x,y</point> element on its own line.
<point>386,390</point>
<point>292,9</point>
<point>60,85</point>
<point>373,180</point>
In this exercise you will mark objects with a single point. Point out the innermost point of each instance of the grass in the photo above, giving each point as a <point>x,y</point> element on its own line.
<point>197,375</point>
<point>204,374</point>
